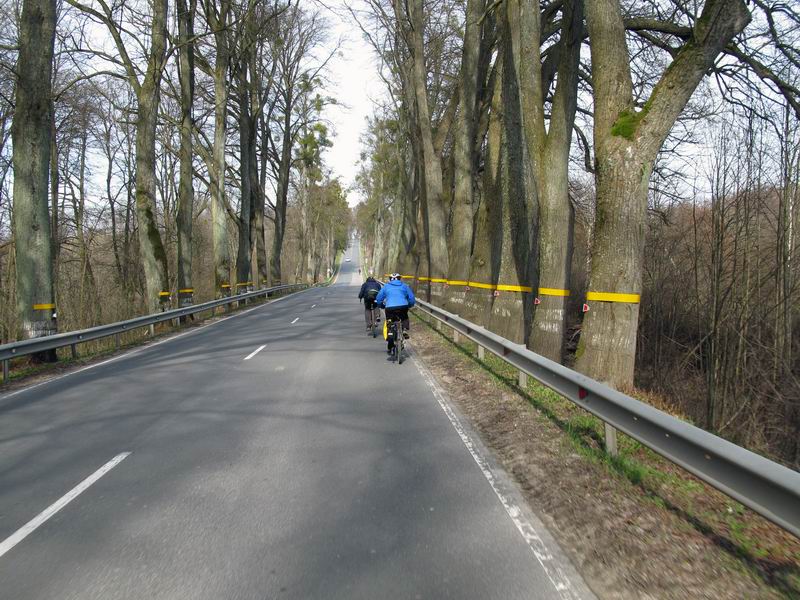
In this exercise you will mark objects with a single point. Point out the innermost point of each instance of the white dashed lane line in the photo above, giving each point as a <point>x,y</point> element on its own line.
<point>43,516</point>
<point>254,352</point>
<point>296,320</point>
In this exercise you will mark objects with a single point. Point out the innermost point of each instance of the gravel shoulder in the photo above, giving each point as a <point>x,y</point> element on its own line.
<point>635,527</point>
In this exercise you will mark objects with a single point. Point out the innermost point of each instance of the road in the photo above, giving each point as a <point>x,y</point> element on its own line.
<point>273,454</point>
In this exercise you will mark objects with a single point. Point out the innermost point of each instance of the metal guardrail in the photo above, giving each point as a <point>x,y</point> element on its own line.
<point>768,488</point>
<point>71,338</point>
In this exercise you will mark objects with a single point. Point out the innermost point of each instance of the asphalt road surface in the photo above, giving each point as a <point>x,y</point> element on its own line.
<point>273,454</point>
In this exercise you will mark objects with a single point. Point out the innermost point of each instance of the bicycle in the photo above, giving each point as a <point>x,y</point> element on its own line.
<point>396,331</point>
<point>376,315</point>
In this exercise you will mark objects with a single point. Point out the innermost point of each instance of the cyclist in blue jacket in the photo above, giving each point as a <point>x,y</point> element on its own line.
<point>397,298</point>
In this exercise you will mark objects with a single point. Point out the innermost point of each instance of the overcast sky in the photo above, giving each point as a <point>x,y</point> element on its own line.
<point>355,84</point>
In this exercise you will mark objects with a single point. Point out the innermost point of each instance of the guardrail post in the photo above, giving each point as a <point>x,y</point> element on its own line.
<point>611,440</point>
<point>186,300</point>
<point>481,352</point>
<point>523,380</point>
<point>456,337</point>
<point>74,349</point>
<point>152,328</point>
<point>438,325</point>
<point>116,340</point>
<point>5,371</point>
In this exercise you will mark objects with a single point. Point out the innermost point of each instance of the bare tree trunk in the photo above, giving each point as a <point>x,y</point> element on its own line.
<point>509,316</point>
<point>54,210</point>
<point>245,200</point>
<point>88,302</point>
<point>31,132</point>
<point>112,203</point>
<point>151,247</point>
<point>412,240</point>
<point>379,264</point>
<point>784,276</point>
<point>261,241</point>
<point>219,223</point>
<point>398,214</point>
<point>246,132</point>
<point>281,200</point>
<point>409,250</point>
<point>434,217</point>
<point>464,157</point>
<point>557,218</point>
<point>304,201</point>
<point>626,144</point>
<point>186,190</point>
<point>487,249</point>
<point>256,197</point>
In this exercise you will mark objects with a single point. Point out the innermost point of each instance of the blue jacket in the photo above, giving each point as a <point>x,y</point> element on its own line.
<point>396,293</point>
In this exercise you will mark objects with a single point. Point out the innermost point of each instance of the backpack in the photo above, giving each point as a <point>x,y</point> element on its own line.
<point>371,294</point>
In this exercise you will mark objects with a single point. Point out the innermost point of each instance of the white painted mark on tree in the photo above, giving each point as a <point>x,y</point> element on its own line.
<point>296,320</point>
<point>254,352</point>
<point>43,516</point>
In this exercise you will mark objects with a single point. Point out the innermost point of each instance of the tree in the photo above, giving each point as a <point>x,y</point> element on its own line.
<point>410,20</point>
<point>627,142</point>
<point>147,87</point>
<point>549,149</point>
<point>217,15</point>
<point>293,44</point>
<point>464,150</point>
<point>30,132</point>
<point>185,216</point>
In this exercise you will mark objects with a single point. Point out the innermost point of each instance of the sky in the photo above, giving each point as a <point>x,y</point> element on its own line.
<point>356,85</point>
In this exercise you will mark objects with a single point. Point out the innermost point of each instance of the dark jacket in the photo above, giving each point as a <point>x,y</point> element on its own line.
<point>395,294</point>
<point>369,284</point>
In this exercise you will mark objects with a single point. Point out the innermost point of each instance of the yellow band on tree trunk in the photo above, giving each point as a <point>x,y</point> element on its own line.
<point>513,288</point>
<point>552,292</point>
<point>613,297</point>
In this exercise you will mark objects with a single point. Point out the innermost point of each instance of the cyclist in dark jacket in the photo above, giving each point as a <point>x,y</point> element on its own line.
<point>369,292</point>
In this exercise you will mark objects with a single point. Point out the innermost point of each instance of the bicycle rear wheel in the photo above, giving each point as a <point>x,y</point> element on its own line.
<point>400,345</point>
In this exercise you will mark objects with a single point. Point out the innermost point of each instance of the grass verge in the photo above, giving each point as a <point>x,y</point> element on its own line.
<point>753,544</point>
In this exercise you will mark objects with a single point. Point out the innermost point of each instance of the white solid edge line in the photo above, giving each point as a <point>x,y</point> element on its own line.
<point>554,573</point>
<point>295,321</point>
<point>254,352</point>
<point>43,516</point>
<point>139,349</point>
